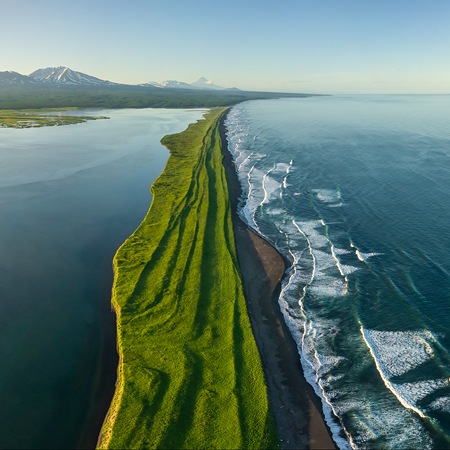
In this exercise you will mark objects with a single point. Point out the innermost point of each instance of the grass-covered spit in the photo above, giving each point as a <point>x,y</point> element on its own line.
<point>189,374</point>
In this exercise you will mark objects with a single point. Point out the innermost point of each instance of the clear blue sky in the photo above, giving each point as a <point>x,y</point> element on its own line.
<point>324,46</point>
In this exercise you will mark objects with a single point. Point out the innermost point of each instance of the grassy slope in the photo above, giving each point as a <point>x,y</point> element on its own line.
<point>190,374</point>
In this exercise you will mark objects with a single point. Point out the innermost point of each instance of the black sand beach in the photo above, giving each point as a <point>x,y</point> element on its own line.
<point>297,409</point>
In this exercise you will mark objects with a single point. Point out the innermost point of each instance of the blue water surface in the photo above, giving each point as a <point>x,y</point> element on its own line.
<point>355,191</point>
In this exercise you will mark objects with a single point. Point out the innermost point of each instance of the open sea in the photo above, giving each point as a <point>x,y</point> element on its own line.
<point>355,192</point>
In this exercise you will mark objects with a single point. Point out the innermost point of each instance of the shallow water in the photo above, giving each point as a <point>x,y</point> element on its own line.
<point>69,196</point>
<point>355,192</point>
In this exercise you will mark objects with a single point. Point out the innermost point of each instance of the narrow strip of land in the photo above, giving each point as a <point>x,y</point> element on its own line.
<point>41,118</point>
<point>189,374</point>
<point>297,409</point>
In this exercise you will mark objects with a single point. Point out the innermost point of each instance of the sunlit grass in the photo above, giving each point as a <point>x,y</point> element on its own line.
<point>39,118</point>
<point>189,373</point>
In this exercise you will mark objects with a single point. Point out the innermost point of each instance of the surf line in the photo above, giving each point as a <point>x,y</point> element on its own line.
<point>333,254</point>
<point>385,379</point>
<point>285,177</point>
<point>266,196</point>
<point>244,161</point>
<point>251,218</point>
<point>313,274</point>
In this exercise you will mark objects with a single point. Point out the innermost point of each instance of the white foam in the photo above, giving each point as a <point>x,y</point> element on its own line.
<point>329,287</point>
<point>244,162</point>
<point>341,251</point>
<point>329,361</point>
<point>440,404</point>
<point>324,260</point>
<point>359,255</point>
<point>365,256</point>
<point>270,186</point>
<point>328,195</point>
<point>316,375</point>
<point>309,228</point>
<point>385,374</point>
<point>282,167</point>
<point>275,211</point>
<point>311,253</point>
<point>414,392</point>
<point>347,270</point>
<point>398,352</point>
<point>252,201</point>
<point>288,170</point>
<point>336,259</point>
<point>403,429</point>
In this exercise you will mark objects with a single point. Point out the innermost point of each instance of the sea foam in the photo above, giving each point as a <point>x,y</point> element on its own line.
<point>399,351</point>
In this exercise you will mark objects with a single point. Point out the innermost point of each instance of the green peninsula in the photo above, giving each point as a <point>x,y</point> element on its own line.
<point>190,374</point>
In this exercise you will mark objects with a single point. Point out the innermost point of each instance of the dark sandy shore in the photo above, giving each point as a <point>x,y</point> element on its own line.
<point>297,409</point>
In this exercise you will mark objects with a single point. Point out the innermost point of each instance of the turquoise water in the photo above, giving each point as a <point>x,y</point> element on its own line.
<point>69,196</point>
<point>355,191</point>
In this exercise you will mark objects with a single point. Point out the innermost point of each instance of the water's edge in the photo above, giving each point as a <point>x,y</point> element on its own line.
<point>296,407</point>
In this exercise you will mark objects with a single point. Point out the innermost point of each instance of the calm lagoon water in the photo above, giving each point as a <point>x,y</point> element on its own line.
<point>69,196</point>
<point>355,191</point>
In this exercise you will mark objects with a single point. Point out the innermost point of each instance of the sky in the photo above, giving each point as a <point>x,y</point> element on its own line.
<point>312,46</point>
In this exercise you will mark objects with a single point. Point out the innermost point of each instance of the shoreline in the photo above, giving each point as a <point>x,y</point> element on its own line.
<point>297,409</point>
<point>106,377</point>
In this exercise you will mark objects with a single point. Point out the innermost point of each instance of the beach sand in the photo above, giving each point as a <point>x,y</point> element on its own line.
<point>296,407</point>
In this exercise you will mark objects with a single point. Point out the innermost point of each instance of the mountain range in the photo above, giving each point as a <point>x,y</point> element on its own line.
<point>201,83</point>
<point>64,76</point>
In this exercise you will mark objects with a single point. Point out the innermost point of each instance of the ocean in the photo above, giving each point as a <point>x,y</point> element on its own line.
<point>354,191</point>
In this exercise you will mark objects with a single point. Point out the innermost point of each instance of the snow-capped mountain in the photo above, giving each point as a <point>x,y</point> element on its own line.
<point>203,83</point>
<point>172,84</point>
<point>10,77</point>
<point>66,76</point>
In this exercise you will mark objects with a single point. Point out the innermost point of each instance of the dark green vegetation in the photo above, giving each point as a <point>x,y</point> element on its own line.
<point>189,374</point>
<point>42,118</point>
<point>122,96</point>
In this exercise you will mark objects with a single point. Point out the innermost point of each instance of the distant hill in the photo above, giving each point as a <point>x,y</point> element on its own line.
<point>8,78</point>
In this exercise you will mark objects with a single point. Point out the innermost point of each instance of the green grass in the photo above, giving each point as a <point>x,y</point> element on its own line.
<point>189,374</point>
<point>122,96</point>
<point>39,118</point>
